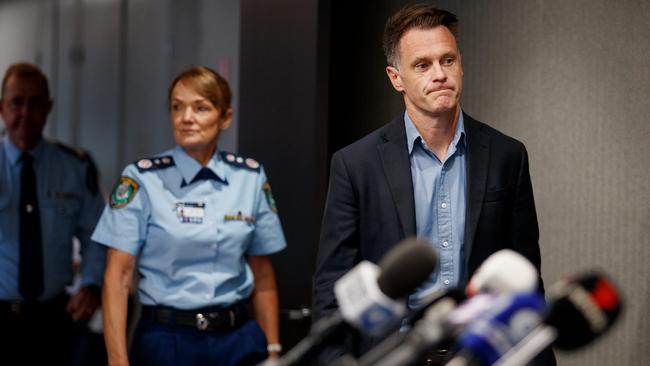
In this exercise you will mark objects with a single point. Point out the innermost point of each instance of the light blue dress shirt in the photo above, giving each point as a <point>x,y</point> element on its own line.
<point>192,237</point>
<point>67,210</point>
<point>439,188</point>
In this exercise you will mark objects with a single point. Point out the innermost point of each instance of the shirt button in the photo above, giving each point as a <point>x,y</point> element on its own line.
<point>443,205</point>
<point>445,244</point>
<point>446,282</point>
<point>214,246</point>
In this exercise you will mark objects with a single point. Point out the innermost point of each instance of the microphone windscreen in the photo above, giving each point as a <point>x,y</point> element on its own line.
<point>405,267</point>
<point>582,309</point>
<point>505,271</point>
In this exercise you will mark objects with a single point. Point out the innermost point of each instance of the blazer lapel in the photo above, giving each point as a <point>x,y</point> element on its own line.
<point>397,167</point>
<point>478,158</point>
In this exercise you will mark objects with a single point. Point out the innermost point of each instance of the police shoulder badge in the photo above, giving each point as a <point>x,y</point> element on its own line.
<point>240,161</point>
<point>266,187</point>
<point>150,164</point>
<point>124,191</point>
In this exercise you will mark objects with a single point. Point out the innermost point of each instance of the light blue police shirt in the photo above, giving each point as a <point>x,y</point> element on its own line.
<point>192,237</point>
<point>68,209</point>
<point>439,188</point>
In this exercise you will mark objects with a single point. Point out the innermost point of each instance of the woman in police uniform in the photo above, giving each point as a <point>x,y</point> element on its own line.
<point>201,223</point>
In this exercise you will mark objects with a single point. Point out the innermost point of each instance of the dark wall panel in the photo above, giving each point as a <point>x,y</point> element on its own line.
<point>283,124</point>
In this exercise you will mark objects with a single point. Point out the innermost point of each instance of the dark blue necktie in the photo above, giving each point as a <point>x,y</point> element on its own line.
<point>30,273</point>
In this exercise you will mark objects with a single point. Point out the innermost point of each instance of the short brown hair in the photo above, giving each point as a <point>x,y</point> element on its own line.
<point>208,83</point>
<point>422,16</point>
<point>28,71</point>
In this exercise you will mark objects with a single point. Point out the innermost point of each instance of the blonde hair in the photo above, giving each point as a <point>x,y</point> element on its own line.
<point>208,83</point>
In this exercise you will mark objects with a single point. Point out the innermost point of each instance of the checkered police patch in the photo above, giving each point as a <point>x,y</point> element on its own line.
<point>124,191</point>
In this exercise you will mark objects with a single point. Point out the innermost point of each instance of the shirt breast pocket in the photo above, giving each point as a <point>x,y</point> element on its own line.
<point>238,234</point>
<point>59,218</point>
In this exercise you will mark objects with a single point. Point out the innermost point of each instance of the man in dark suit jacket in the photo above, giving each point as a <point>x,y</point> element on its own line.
<point>375,196</point>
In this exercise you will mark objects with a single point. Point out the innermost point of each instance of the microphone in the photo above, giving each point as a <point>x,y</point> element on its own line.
<point>505,271</point>
<point>370,297</point>
<point>441,322</point>
<point>493,334</point>
<point>428,320</point>
<point>580,310</point>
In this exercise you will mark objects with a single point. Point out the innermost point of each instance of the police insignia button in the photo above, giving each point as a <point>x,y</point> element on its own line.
<point>190,212</point>
<point>269,197</point>
<point>240,161</point>
<point>252,163</point>
<point>124,191</point>
<point>144,163</point>
<point>162,162</point>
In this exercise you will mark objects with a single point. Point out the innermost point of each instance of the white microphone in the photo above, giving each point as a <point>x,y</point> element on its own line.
<point>510,319</point>
<point>371,298</point>
<point>505,271</point>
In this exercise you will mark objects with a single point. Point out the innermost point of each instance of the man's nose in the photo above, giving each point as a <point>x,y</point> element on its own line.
<point>25,109</point>
<point>438,73</point>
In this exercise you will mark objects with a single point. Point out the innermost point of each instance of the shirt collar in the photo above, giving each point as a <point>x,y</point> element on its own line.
<point>14,153</point>
<point>189,167</point>
<point>413,135</point>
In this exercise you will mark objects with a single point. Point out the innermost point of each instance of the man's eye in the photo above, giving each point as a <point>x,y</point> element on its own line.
<point>15,103</point>
<point>448,61</point>
<point>421,66</point>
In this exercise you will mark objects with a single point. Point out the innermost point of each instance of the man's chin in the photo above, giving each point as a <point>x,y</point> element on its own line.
<point>443,108</point>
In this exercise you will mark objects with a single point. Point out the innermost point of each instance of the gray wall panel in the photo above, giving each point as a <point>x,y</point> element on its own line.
<point>571,80</point>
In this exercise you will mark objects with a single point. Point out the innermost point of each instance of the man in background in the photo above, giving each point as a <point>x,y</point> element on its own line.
<point>48,194</point>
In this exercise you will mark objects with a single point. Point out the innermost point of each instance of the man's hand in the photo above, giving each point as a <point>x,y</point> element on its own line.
<point>83,304</point>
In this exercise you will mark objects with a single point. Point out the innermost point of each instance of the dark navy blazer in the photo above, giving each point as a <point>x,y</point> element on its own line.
<point>370,204</point>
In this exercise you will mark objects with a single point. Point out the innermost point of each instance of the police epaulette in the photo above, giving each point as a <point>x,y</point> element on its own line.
<point>240,161</point>
<point>92,177</point>
<point>78,153</point>
<point>159,162</point>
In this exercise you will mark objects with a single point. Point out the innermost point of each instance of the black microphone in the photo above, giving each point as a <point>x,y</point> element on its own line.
<point>370,298</point>
<point>580,310</point>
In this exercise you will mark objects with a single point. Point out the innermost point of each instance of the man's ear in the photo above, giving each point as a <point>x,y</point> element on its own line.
<point>395,78</point>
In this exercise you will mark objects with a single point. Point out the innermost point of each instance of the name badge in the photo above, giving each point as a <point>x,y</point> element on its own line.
<point>190,212</point>
<point>239,217</point>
